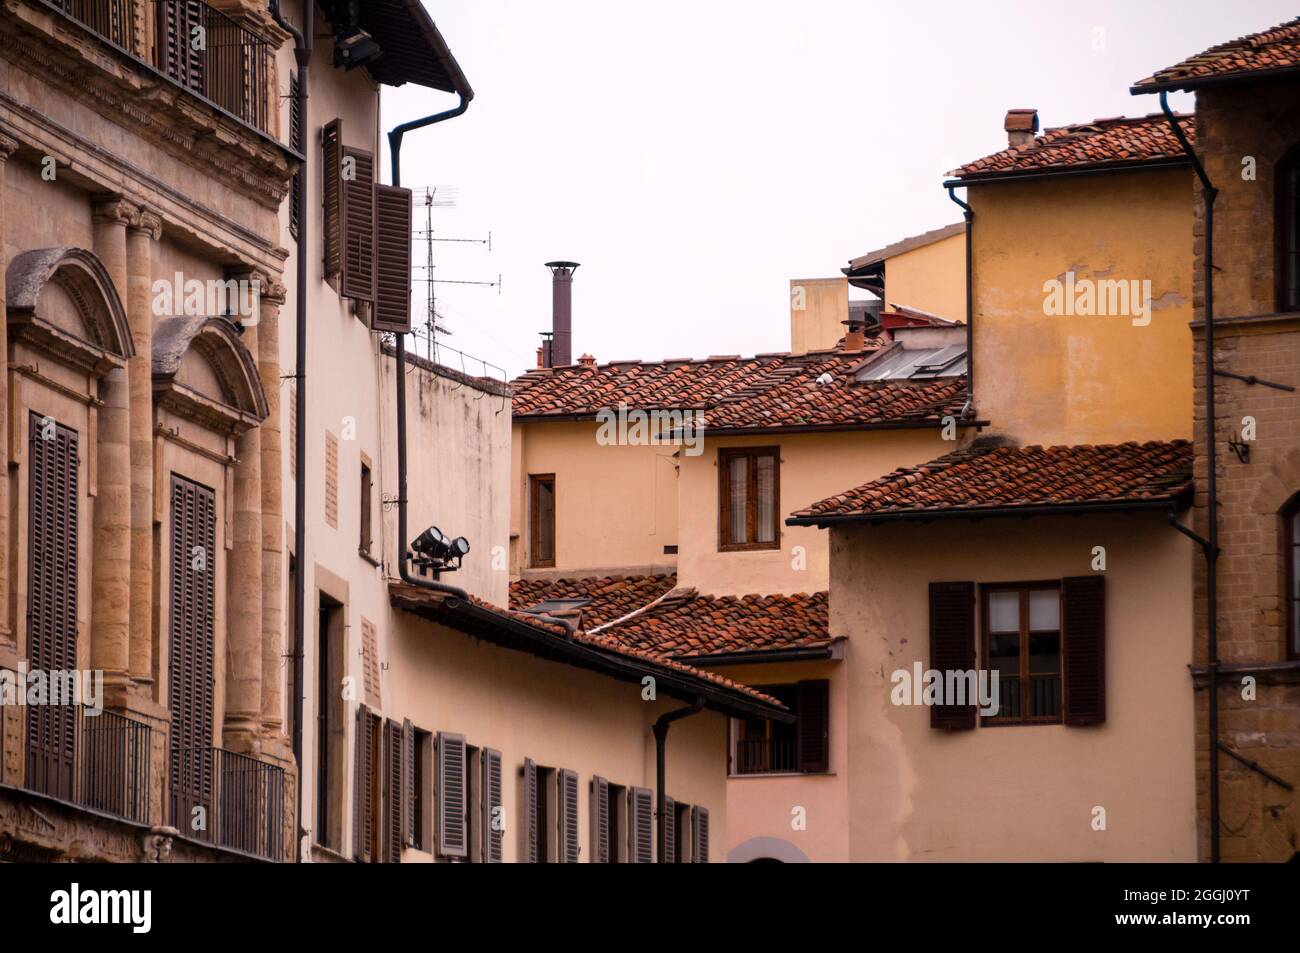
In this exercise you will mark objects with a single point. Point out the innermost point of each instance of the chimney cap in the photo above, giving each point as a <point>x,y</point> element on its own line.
<point>1021,120</point>
<point>571,265</point>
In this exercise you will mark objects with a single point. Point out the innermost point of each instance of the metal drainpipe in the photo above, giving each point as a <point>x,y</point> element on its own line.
<point>1208,194</point>
<point>302,53</point>
<point>660,729</point>
<point>395,150</point>
<point>969,214</point>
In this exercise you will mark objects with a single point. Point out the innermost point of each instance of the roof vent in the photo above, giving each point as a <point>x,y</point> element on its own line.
<point>1021,125</point>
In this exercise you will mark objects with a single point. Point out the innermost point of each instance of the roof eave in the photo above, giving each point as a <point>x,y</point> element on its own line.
<point>1171,504</point>
<point>760,656</point>
<point>1100,168</point>
<point>1192,83</point>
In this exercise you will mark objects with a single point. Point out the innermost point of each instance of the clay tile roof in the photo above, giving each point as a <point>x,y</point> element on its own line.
<point>609,597</point>
<point>983,478</point>
<point>455,613</point>
<point>691,626</point>
<point>1100,144</point>
<point>766,392</point>
<point>1276,50</point>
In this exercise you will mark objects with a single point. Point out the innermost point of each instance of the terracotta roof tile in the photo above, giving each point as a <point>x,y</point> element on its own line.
<point>986,477</point>
<point>1277,48</point>
<point>610,597</point>
<point>774,391</point>
<point>1104,143</point>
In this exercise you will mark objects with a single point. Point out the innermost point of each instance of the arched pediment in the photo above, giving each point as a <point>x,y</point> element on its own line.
<point>203,371</point>
<point>62,301</point>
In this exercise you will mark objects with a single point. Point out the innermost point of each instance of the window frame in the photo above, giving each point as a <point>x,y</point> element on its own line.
<point>1291,576</point>
<point>1287,230</point>
<point>366,532</point>
<point>1024,588</point>
<point>752,544</point>
<point>536,480</point>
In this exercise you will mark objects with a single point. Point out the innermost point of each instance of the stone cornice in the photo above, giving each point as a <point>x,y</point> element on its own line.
<point>8,146</point>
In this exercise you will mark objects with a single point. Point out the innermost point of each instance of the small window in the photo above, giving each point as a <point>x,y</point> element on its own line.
<point>616,796</point>
<point>542,509</point>
<point>1291,528</point>
<point>682,833</point>
<point>759,746</point>
<point>1022,643</point>
<point>367,491</point>
<point>749,498</point>
<point>422,781</point>
<point>1288,231</point>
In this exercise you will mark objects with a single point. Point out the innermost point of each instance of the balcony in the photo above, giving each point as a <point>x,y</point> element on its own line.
<point>213,56</point>
<point>242,800</point>
<point>98,761</point>
<point>765,756</point>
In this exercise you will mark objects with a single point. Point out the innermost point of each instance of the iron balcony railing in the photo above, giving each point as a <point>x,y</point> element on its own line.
<point>228,799</point>
<point>198,46</point>
<point>98,760</point>
<point>765,756</point>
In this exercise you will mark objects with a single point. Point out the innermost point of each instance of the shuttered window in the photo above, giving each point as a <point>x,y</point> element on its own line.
<point>600,821</point>
<point>450,799</point>
<point>567,817</point>
<point>532,826</point>
<point>366,796</point>
<point>640,819</point>
<point>53,509</point>
<point>394,791</point>
<point>669,823</point>
<point>1083,619</point>
<point>190,675</point>
<point>700,835</point>
<point>332,182</point>
<point>812,730</point>
<point>178,23</point>
<point>408,783</point>
<point>952,645</point>
<point>392,259</point>
<point>493,819</point>
<point>295,142</point>
<point>358,174</point>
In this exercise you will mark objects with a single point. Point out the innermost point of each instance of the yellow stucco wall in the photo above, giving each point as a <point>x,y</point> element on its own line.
<point>1020,793</point>
<point>818,309</point>
<point>930,278</point>
<point>1075,379</point>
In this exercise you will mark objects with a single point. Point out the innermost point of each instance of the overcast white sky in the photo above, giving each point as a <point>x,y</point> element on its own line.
<point>695,156</point>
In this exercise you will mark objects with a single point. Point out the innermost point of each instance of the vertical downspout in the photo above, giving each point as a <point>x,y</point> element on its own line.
<point>969,214</point>
<point>660,729</point>
<point>1208,193</point>
<point>302,53</point>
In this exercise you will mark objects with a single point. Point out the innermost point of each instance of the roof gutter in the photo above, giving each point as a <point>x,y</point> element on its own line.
<point>759,656</point>
<point>1191,84</point>
<point>992,178</point>
<point>924,516</point>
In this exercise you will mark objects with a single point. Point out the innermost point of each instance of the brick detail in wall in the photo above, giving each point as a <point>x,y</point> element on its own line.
<point>370,663</point>
<point>331,480</point>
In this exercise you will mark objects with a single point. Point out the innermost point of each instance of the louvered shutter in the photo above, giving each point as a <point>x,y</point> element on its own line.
<point>295,142</point>
<point>177,20</point>
<point>332,179</point>
<point>451,795</point>
<point>700,835</point>
<point>190,664</point>
<point>394,795</point>
<point>952,645</point>
<point>640,826</point>
<point>812,739</point>
<point>1083,654</point>
<point>392,310</point>
<point>491,802</point>
<point>53,508</point>
<point>669,824</point>
<point>530,812</point>
<point>600,841</point>
<point>363,829</point>
<point>359,227</point>
<point>567,817</point>
<point>408,783</point>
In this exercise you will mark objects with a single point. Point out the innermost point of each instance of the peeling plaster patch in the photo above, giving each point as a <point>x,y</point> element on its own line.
<point>1170,299</point>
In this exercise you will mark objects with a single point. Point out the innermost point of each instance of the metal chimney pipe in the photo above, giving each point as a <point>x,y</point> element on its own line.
<point>561,353</point>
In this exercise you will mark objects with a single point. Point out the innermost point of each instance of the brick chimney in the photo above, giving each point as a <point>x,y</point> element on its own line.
<point>587,360</point>
<point>1020,126</point>
<point>561,353</point>
<point>856,338</point>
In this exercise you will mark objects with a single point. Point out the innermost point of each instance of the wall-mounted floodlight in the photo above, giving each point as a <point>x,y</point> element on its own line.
<point>435,552</point>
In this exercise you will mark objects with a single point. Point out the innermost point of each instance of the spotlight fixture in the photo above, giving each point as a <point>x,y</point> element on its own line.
<point>353,46</point>
<point>435,552</point>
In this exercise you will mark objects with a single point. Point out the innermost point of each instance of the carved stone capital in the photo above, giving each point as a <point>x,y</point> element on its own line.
<point>147,220</point>
<point>274,292</point>
<point>156,845</point>
<point>8,146</point>
<point>114,210</point>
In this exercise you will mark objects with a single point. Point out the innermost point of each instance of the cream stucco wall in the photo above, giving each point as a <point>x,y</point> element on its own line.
<point>930,278</point>
<point>818,309</point>
<point>1084,379</point>
<point>1020,793</point>
<point>813,467</point>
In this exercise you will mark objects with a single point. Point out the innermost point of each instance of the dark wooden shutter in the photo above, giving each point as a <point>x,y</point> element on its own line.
<point>332,179</point>
<point>359,227</point>
<point>640,826</point>
<point>700,835</point>
<point>392,259</point>
<point>532,851</point>
<point>452,841</point>
<point>567,817</point>
<point>53,509</point>
<point>295,142</point>
<point>394,795</point>
<point>952,645</point>
<point>812,739</point>
<point>600,841</point>
<point>179,60</point>
<point>190,673</point>
<point>491,801</point>
<point>408,783</point>
<point>363,830</point>
<point>669,824</point>
<point>1083,651</point>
